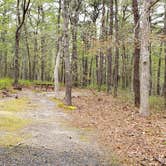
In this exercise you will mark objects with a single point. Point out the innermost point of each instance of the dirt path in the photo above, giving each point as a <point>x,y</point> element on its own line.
<point>51,142</point>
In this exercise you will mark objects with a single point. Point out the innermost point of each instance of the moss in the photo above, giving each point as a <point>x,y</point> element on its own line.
<point>60,104</point>
<point>14,105</point>
<point>8,123</point>
<point>66,107</point>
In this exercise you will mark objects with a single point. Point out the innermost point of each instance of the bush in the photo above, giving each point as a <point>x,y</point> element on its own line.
<point>5,83</point>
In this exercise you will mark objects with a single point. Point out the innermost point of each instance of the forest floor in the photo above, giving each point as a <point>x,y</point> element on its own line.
<point>101,130</point>
<point>45,138</point>
<point>134,140</point>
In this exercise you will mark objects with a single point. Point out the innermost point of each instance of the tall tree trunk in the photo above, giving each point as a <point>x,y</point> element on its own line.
<point>159,71</point>
<point>43,43</point>
<point>68,80</point>
<point>35,57</point>
<point>101,53</point>
<point>56,72</point>
<point>164,89</point>
<point>150,70</point>
<point>58,54</point>
<point>144,63</point>
<point>16,63</point>
<point>28,53</point>
<point>124,75</point>
<point>109,52</point>
<point>136,79</point>
<point>74,50</point>
<point>116,68</point>
<point>20,22</point>
<point>90,71</point>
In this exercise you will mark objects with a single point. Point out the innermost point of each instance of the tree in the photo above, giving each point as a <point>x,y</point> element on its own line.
<point>164,31</point>
<point>116,68</point>
<point>144,63</point>
<point>74,18</point>
<point>58,54</point>
<point>145,57</point>
<point>68,82</point>
<point>109,56</point>
<point>24,6</point>
<point>136,80</point>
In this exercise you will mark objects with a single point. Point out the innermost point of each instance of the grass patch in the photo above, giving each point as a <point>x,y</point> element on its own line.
<point>12,123</point>
<point>66,107</point>
<point>157,103</point>
<point>14,105</point>
<point>5,83</point>
<point>26,83</point>
<point>60,104</point>
<point>12,139</point>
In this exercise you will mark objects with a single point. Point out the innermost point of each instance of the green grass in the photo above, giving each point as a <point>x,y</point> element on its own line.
<point>14,105</point>
<point>157,103</point>
<point>12,123</point>
<point>25,83</point>
<point>5,83</point>
<point>11,139</point>
<point>60,104</point>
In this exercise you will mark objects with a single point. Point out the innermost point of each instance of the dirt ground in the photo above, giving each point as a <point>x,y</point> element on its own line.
<point>51,141</point>
<point>101,131</point>
<point>133,139</point>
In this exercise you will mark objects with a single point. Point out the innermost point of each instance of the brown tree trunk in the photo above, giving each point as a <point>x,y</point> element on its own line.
<point>68,80</point>
<point>35,57</point>
<point>20,21</point>
<point>116,68</point>
<point>136,79</point>
<point>124,75</point>
<point>43,43</point>
<point>159,72</point>
<point>28,53</point>
<point>16,63</point>
<point>164,89</point>
<point>109,51</point>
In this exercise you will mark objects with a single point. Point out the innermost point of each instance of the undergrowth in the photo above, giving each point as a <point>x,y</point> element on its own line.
<point>60,104</point>
<point>14,105</point>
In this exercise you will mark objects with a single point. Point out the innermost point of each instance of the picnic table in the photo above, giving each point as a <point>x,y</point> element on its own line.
<point>44,86</point>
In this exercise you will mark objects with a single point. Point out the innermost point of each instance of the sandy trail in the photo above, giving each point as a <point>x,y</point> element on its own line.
<point>51,142</point>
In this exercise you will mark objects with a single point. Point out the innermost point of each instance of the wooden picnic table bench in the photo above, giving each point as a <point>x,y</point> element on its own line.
<point>45,86</point>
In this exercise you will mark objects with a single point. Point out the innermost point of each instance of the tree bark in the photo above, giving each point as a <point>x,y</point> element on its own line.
<point>20,21</point>
<point>116,68</point>
<point>164,31</point>
<point>109,52</point>
<point>68,80</point>
<point>159,72</point>
<point>58,55</point>
<point>43,43</point>
<point>144,63</point>
<point>136,77</point>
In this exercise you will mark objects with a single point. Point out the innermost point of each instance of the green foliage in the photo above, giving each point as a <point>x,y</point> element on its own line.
<point>25,82</point>
<point>5,83</point>
<point>157,103</point>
